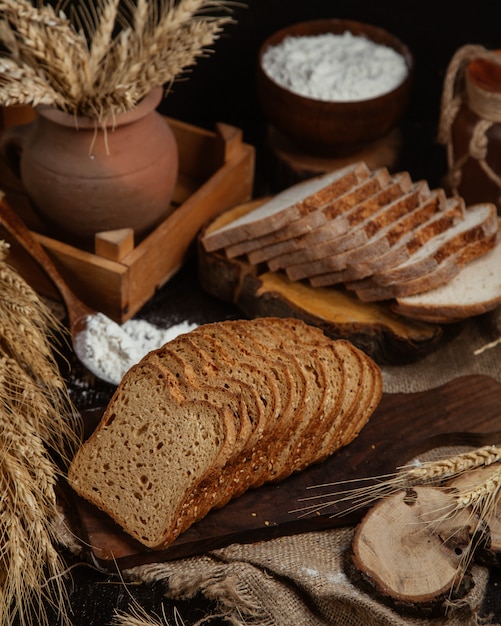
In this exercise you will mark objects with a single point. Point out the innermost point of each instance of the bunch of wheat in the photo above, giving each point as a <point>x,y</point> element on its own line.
<point>38,431</point>
<point>105,57</point>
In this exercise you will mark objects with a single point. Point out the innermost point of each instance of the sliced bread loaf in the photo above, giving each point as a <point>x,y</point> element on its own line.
<point>440,274</point>
<point>166,450</point>
<point>355,228</point>
<point>285,207</point>
<point>290,236</point>
<point>476,289</point>
<point>479,224</point>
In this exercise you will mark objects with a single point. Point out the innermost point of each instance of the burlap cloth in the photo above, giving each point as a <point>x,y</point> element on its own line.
<point>301,579</point>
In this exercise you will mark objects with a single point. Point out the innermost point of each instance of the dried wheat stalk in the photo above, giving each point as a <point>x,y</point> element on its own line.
<point>429,473</point>
<point>38,431</point>
<point>81,66</point>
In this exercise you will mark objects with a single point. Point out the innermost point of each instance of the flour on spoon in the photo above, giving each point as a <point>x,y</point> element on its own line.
<point>109,349</point>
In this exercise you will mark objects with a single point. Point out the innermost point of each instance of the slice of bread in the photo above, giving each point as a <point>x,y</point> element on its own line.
<point>396,244</point>
<point>479,224</point>
<point>475,290</point>
<point>439,274</point>
<point>167,449</point>
<point>350,225</point>
<point>290,236</point>
<point>146,435</point>
<point>287,206</point>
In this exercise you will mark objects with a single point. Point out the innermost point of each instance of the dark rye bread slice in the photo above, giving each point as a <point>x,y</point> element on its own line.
<point>142,439</point>
<point>287,206</point>
<point>440,275</point>
<point>348,179</point>
<point>432,218</point>
<point>334,255</point>
<point>286,239</point>
<point>351,228</point>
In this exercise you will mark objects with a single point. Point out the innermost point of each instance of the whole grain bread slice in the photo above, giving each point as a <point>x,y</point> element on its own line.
<point>285,207</point>
<point>122,468</point>
<point>289,236</point>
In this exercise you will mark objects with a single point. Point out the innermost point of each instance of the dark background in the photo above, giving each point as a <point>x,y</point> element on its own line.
<point>221,88</point>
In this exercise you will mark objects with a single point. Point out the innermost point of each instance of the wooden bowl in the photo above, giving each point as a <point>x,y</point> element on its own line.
<point>332,127</point>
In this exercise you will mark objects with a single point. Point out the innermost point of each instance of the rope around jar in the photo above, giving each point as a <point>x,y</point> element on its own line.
<point>486,105</point>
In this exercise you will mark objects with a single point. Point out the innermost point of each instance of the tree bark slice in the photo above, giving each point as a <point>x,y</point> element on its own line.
<point>409,549</point>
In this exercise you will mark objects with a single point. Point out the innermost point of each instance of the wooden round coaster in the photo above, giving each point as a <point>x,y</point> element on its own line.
<point>291,164</point>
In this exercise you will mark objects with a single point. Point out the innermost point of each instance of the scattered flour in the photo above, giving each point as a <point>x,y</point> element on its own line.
<point>334,67</point>
<point>109,349</point>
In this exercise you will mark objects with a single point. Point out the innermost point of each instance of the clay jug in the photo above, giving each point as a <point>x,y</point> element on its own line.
<point>83,179</point>
<point>471,125</point>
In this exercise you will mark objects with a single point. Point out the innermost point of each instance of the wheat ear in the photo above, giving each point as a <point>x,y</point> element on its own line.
<point>428,473</point>
<point>38,431</point>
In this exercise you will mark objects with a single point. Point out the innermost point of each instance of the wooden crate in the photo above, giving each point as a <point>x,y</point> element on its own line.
<point>117,277</point>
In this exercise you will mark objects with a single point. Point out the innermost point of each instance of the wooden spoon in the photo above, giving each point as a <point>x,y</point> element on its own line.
<point>79,314</point>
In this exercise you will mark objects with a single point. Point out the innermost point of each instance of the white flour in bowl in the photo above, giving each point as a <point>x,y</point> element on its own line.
<point>335,68</point>
<point>109,349</point>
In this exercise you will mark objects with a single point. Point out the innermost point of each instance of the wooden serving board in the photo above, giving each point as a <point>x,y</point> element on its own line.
<point>466,411</point>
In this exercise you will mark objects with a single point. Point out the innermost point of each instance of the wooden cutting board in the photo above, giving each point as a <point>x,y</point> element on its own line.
<point>466,411</point>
